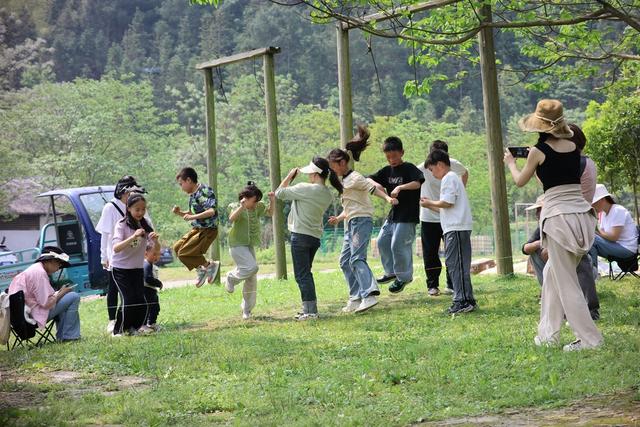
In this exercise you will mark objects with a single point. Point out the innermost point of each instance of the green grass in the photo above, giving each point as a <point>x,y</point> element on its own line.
<point>403,361</point>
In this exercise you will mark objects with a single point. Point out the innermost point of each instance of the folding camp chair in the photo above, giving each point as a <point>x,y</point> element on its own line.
<point>26,334</point>
<point>627,265</point>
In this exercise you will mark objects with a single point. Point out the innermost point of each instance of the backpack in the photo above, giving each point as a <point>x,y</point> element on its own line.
<point>5,320</point>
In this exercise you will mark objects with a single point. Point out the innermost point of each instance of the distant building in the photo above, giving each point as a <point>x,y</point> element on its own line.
<point>24,215</point>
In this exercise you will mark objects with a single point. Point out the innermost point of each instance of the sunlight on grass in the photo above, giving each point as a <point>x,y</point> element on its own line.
<point>404,360</point>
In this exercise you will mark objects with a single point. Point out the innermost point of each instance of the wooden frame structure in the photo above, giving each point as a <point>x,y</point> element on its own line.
<point>272,135</point>
<point>491,102</point>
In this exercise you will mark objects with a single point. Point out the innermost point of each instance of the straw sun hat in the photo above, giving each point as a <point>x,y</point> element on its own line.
<point>547,118</point>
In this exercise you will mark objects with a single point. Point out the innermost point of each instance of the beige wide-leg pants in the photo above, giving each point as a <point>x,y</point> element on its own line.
<point>246,269</point>
<point>561,292</point>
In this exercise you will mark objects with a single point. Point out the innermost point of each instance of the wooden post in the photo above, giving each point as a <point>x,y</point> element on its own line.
<point>212,166</point>
<point>491,101</point>
<point>274,163</point>
<point>344,86</point>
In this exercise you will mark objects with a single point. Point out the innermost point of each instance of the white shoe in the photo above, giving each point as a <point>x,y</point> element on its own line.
<point>351,306</point>
<point>246,316</point>
<point>110,326</point>
<point>212,271</point>
<point>447,291</point>
<point>301,317</point>
<point>144,330</point>
<point>543,343</point>
<point>578,345</point>
<point>367,303</point>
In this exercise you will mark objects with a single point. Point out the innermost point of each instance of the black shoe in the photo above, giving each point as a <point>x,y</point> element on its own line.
<point>458,307</point>
<point>595,314</point>
<point>385,278</point>
<point>374,293</point>
<point>397,286</point>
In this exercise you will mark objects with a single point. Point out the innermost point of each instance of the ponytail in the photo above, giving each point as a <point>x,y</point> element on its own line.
<point>335,182</point>
<point>359,142</point>
<point>323,164</point>
<point>130,220</point>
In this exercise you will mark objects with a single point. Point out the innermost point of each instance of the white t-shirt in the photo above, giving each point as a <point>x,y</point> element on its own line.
<point>619,216</point>
<point>431,189</point>
<point>108,220</point>
<point>457,217</point>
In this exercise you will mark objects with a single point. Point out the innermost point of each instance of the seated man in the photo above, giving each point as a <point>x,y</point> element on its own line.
<point>538,257</point>
<point>617,235</point>
<point>44,302</point>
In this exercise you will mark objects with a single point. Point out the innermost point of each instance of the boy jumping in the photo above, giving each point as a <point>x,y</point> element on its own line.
<point>455,218</point>
<point>190,249</point>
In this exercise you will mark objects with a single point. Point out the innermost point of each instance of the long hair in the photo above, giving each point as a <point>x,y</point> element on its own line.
<point>123,183</point>
<point>323,164</point>
<point>130,220</point>
<point>359,142</point>
<point>578,137</point>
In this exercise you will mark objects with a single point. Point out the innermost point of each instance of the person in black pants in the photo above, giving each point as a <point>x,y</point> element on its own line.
<point>151,286</point>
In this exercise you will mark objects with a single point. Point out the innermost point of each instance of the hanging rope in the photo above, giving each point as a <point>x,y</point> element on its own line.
<point>221,87</point>
<point>373,59</point>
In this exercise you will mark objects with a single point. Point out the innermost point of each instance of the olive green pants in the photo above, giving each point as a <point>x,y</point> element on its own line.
<point>190,249</point>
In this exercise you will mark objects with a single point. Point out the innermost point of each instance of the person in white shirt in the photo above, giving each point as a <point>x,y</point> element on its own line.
<point>430,228</point>
<point>112,212</point>
<point>456,221</point>
<point>617,234</point>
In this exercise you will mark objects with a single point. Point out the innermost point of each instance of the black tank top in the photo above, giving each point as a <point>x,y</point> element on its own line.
<point>558,168</point>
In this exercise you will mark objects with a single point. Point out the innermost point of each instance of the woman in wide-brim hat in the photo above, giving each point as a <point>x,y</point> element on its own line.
<point>567,225</point>
<point>44,302</point>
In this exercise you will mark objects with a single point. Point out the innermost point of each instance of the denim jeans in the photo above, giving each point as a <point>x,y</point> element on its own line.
<point>395,245</point>
<point>303,250</point>
<point>353,258</point>
<point>67,318</point>
<point>605,248</point>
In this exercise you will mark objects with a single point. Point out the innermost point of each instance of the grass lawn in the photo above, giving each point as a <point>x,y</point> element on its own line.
<point>403,361</point>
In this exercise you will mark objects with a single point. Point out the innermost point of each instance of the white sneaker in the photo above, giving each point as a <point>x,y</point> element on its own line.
<point>110,326</point>
<point>212,271</point>
<point>351,306</point>
<point>434,292</point>
<point>246,316</point>
<point>447,291</point>
<point>144,330</point>
<point>367,303</point>
<point>301,317</point>
<point>228,286</point>
<point>543,343</point>
<point>201,276</point>
<point>577,345</point>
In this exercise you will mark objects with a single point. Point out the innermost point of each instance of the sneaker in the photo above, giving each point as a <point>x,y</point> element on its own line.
<point>397,286</point>
<point>212,270</point>
<point>351,306</point>
<point>595,314</point>
<point>116,335</point>
<point>201,276</point>
<point>246,316</point>
<point>301,317</point>
<point>366,304</point>
<point>458,307</point>
<point>110,326</point>
<point>386,278</point>
<point>228,286</point>
<point>447,291</point>
<point>574,346</point>
<point>434,292</point>
<point>543,343</point>
<point>155,327</point>
<point>144,330</point>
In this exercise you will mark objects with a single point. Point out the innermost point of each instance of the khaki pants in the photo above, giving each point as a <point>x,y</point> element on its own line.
<point>562,296</point>
<point>190,249</point>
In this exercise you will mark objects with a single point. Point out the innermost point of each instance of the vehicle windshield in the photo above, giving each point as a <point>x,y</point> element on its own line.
<point>94,203</point>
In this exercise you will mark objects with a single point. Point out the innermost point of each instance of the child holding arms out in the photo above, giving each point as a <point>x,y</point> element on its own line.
<point>202,213</point>
<point>244,236</point>
<point>152,285</point>
<point>455,218</point>
<point>131,236</point>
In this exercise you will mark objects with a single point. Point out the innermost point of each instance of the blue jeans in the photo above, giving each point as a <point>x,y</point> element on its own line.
<point>395,244</point>
<point>67,318</point>
<point>303,250</point>
<point>605,248</point>
<point>353,258</point>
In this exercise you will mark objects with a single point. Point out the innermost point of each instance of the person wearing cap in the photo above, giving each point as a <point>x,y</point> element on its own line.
<point>44,302</point>
<point>401,180</point>
<point>112,212</point>
<point>617,234</point>
<point>567,225</point>
<point>539,257</point>
<point>309,201</point>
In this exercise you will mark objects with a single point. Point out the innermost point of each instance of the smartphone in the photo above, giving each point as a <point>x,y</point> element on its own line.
<point>519,152</point>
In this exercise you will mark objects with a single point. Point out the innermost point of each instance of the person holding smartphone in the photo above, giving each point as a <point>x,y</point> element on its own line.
<point>44,302</point>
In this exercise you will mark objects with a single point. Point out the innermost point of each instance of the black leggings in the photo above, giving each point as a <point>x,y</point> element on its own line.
<point>154,305</point>
<point>132,310</point>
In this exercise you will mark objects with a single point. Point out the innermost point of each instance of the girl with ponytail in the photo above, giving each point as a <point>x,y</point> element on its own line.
<point>357,213</point>
<point>309,201</point>
<point>131,237</point>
